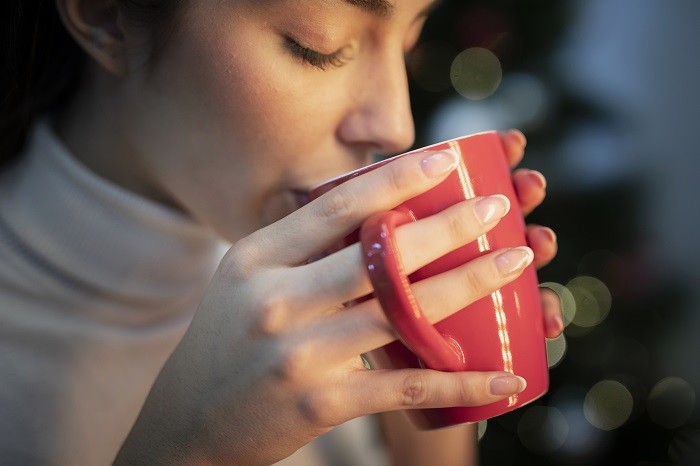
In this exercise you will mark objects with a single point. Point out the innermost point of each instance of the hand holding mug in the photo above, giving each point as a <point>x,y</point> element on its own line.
<point>503,331</point>
<point>272,359</point>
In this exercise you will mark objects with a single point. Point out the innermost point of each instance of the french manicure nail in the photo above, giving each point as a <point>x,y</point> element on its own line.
<point>492,208</point>
<point>439,163</point>
<point>507,385</point>
<point>514,260</point>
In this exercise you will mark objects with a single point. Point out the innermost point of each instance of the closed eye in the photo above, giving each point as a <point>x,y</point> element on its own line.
<point>314,58</point>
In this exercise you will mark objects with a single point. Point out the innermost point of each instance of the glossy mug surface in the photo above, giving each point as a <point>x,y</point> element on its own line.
<point>500,332</point>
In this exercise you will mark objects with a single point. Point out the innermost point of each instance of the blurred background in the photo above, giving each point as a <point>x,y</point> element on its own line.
<point>608,95</point>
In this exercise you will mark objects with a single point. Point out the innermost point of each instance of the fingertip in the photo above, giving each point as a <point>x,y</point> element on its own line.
<point>527,178</point>
<point>554,326</point>
<point>503,385</point>
<point>514,142</point>
<point>537,178</point>
<point>530,188</point>
<point>552,310</point>
<point>518,137</point>
<point>545,235</point>
<point>514,136</point>
<point>437,164</point>
<point>543,241</point>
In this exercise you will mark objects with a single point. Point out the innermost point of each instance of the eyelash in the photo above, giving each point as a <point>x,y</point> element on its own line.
<point>314,58</point>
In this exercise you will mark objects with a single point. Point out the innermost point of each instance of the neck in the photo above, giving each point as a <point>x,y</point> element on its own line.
<point>94,127</point>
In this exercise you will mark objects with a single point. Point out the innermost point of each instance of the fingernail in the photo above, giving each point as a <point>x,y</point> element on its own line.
<point>439,163</point>
<point>507,385</point>
<point>556,324</point>
<point>538,178</point>
<point>549,233</point>
<point>514,260</point>
<point>518,136</point>
<point>492,208</point>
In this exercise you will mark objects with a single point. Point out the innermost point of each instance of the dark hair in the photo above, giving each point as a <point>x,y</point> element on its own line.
<point>41,63</point>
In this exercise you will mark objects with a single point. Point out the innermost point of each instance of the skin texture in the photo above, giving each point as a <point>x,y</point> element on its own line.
<point>221,125</point>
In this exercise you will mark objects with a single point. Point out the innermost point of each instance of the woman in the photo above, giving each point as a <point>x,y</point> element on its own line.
<point>188,129</point>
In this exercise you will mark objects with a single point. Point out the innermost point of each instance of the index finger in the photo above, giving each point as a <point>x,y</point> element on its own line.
<point>341,210</point>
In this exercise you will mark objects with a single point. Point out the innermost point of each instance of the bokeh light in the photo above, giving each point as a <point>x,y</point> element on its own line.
<point>583,441</point>
<point>639,389</point>
<point>481,429</point>
<point>577,332</point>
<point>608,405</point>
<point>671,402</point>
<point>593,300</point>
<point>476,73</point>
<point>556,349</point>
<point>543,429</point>
<point>568,303</point>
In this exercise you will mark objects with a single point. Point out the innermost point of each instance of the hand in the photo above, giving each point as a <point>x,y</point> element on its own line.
<point>530,187</point>
<point>268,363</point>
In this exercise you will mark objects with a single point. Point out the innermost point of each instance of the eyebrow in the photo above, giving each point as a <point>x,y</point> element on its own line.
<point>376,7</point>
<point>383,8</point>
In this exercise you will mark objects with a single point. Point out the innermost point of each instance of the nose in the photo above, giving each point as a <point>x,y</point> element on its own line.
<point>379,114</point>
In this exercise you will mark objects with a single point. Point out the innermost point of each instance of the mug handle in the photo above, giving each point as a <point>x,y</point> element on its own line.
<point>393,291</point>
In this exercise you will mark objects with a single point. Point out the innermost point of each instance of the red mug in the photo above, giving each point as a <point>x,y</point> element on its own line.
<point>500,332</point>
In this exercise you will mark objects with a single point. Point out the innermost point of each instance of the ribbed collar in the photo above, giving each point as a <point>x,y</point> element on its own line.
<point>86,230</point>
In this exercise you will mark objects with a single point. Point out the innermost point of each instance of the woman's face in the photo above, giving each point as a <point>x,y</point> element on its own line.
<point>250,99</point>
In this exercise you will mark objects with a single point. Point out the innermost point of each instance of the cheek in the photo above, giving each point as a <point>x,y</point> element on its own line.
<point>257,94</point>
<point>235,112</point>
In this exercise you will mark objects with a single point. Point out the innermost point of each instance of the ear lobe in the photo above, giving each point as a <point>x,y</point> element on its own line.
<point>94,24</point>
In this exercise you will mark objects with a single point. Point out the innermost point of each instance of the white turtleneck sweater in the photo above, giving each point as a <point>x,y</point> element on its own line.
<point>97,286</point>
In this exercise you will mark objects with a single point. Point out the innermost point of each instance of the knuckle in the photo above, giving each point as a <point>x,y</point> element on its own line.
<point>456,227</point>
<point>414,391</point>
<point>401,178</point>
<point>293,364</point>
<point>473,280</point>
<point>468,395</point>
<point>317,408</point>
<point>271,316</point>
<point>338,207</point>
<point>240,260</point>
